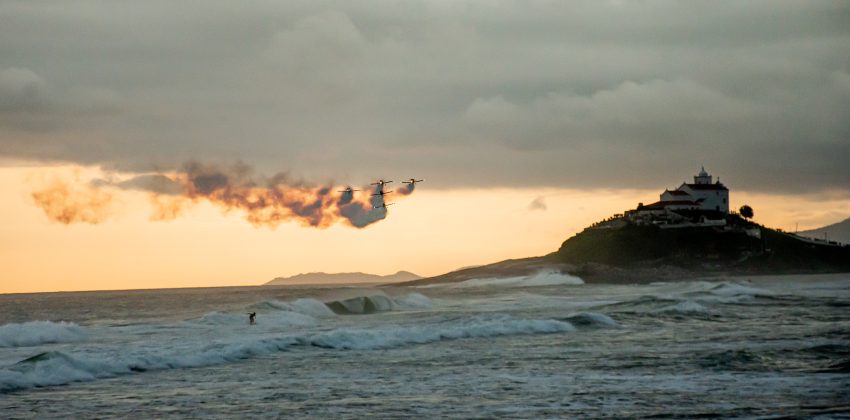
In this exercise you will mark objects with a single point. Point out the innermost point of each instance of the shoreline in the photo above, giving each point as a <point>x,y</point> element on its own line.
<point>596,273</point>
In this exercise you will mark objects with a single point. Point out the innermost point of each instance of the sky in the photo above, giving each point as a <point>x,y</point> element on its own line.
<point>166,144</point>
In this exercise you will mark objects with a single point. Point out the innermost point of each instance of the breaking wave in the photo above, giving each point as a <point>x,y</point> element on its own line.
<point>542,278</point>
<point>729,293</point>
<point>362,305</point>
<point>305,306</point>
<point>34,333</point>
<point>56,368</point>
<point>383,338</point>
<point>591,320</point>
<point>307,311</point>
<point>414,301</point>
<point>694,299</point>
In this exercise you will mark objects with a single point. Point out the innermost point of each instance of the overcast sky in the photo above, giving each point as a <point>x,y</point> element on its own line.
<point>492,93</point>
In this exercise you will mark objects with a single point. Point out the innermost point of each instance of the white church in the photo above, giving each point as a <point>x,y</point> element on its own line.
<point>703,194</point>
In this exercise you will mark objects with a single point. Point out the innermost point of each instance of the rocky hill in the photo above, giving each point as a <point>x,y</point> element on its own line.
<point>835,232</point>
<point>623,252</point>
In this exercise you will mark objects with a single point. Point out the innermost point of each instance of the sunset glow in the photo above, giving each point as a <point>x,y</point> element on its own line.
<point>430,232</point>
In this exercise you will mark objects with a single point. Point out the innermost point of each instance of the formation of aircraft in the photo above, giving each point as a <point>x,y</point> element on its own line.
<point>380,190</point>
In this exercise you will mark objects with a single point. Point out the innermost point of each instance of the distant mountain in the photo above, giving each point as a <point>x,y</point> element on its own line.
<point>341,278</point>
<point>835,232</point>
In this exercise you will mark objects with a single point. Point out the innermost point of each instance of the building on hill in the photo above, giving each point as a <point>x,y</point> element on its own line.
<point>704,202</point>
<point>703,194</point>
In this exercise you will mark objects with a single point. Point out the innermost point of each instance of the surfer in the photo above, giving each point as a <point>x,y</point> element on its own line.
<point>252,317</point>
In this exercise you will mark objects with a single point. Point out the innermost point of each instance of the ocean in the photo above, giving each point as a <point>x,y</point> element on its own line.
<point>547,346</point>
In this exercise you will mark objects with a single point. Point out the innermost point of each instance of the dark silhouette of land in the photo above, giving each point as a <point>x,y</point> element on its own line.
<point>618,250</point>
<point>343,278</point>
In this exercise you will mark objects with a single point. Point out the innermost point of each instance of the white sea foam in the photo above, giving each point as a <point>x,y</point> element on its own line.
<point>305,306</point>
<point>54,368</point>
<point>542,278</point>
<point>729,293</point>
<point>35,333</point>
<point>312,307</point>
<point>389,337</point>
<point>413,301</point>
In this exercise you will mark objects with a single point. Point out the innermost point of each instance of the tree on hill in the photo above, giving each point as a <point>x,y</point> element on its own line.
<point>746,212</point>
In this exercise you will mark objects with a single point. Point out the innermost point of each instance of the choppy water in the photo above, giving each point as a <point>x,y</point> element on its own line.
<point>540,347</point>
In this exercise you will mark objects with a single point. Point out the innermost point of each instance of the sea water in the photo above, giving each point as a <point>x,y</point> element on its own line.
<point>533,348</point>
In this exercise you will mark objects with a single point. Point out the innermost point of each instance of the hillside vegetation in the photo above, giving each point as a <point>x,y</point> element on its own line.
<point>704,249</point>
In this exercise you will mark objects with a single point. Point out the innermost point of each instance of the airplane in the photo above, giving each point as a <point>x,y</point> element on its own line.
<point>412,181</point>
<point>384,205</point>
<point>380,182</point>
<point>348,190</point>
<point>382,192</point>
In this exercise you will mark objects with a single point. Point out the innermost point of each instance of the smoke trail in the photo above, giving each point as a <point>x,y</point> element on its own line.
<point>359,215</point>
<point>406,189</point>
<point>73,202</point>
<point>167,207</point>
<point>264,201</point>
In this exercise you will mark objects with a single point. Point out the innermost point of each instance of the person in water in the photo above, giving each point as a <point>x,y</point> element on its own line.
<point>252,318</point>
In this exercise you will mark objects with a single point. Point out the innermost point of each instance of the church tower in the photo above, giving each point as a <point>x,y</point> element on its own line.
<point>703,177</point>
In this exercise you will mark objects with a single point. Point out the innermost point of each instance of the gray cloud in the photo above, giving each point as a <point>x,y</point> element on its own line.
<point>579,94</point>
<point>155,183</point>
<point>20,90</point>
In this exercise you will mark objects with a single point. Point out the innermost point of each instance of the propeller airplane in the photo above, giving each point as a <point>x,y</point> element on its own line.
<point>380,183</point>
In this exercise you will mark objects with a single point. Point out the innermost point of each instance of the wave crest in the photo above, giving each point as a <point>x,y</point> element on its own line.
<point>383,338</point>
<point>591,319</point>
<point>542,278</point>
<point>34,333</point>
<point>361,305</point>
<point>56,368</point>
